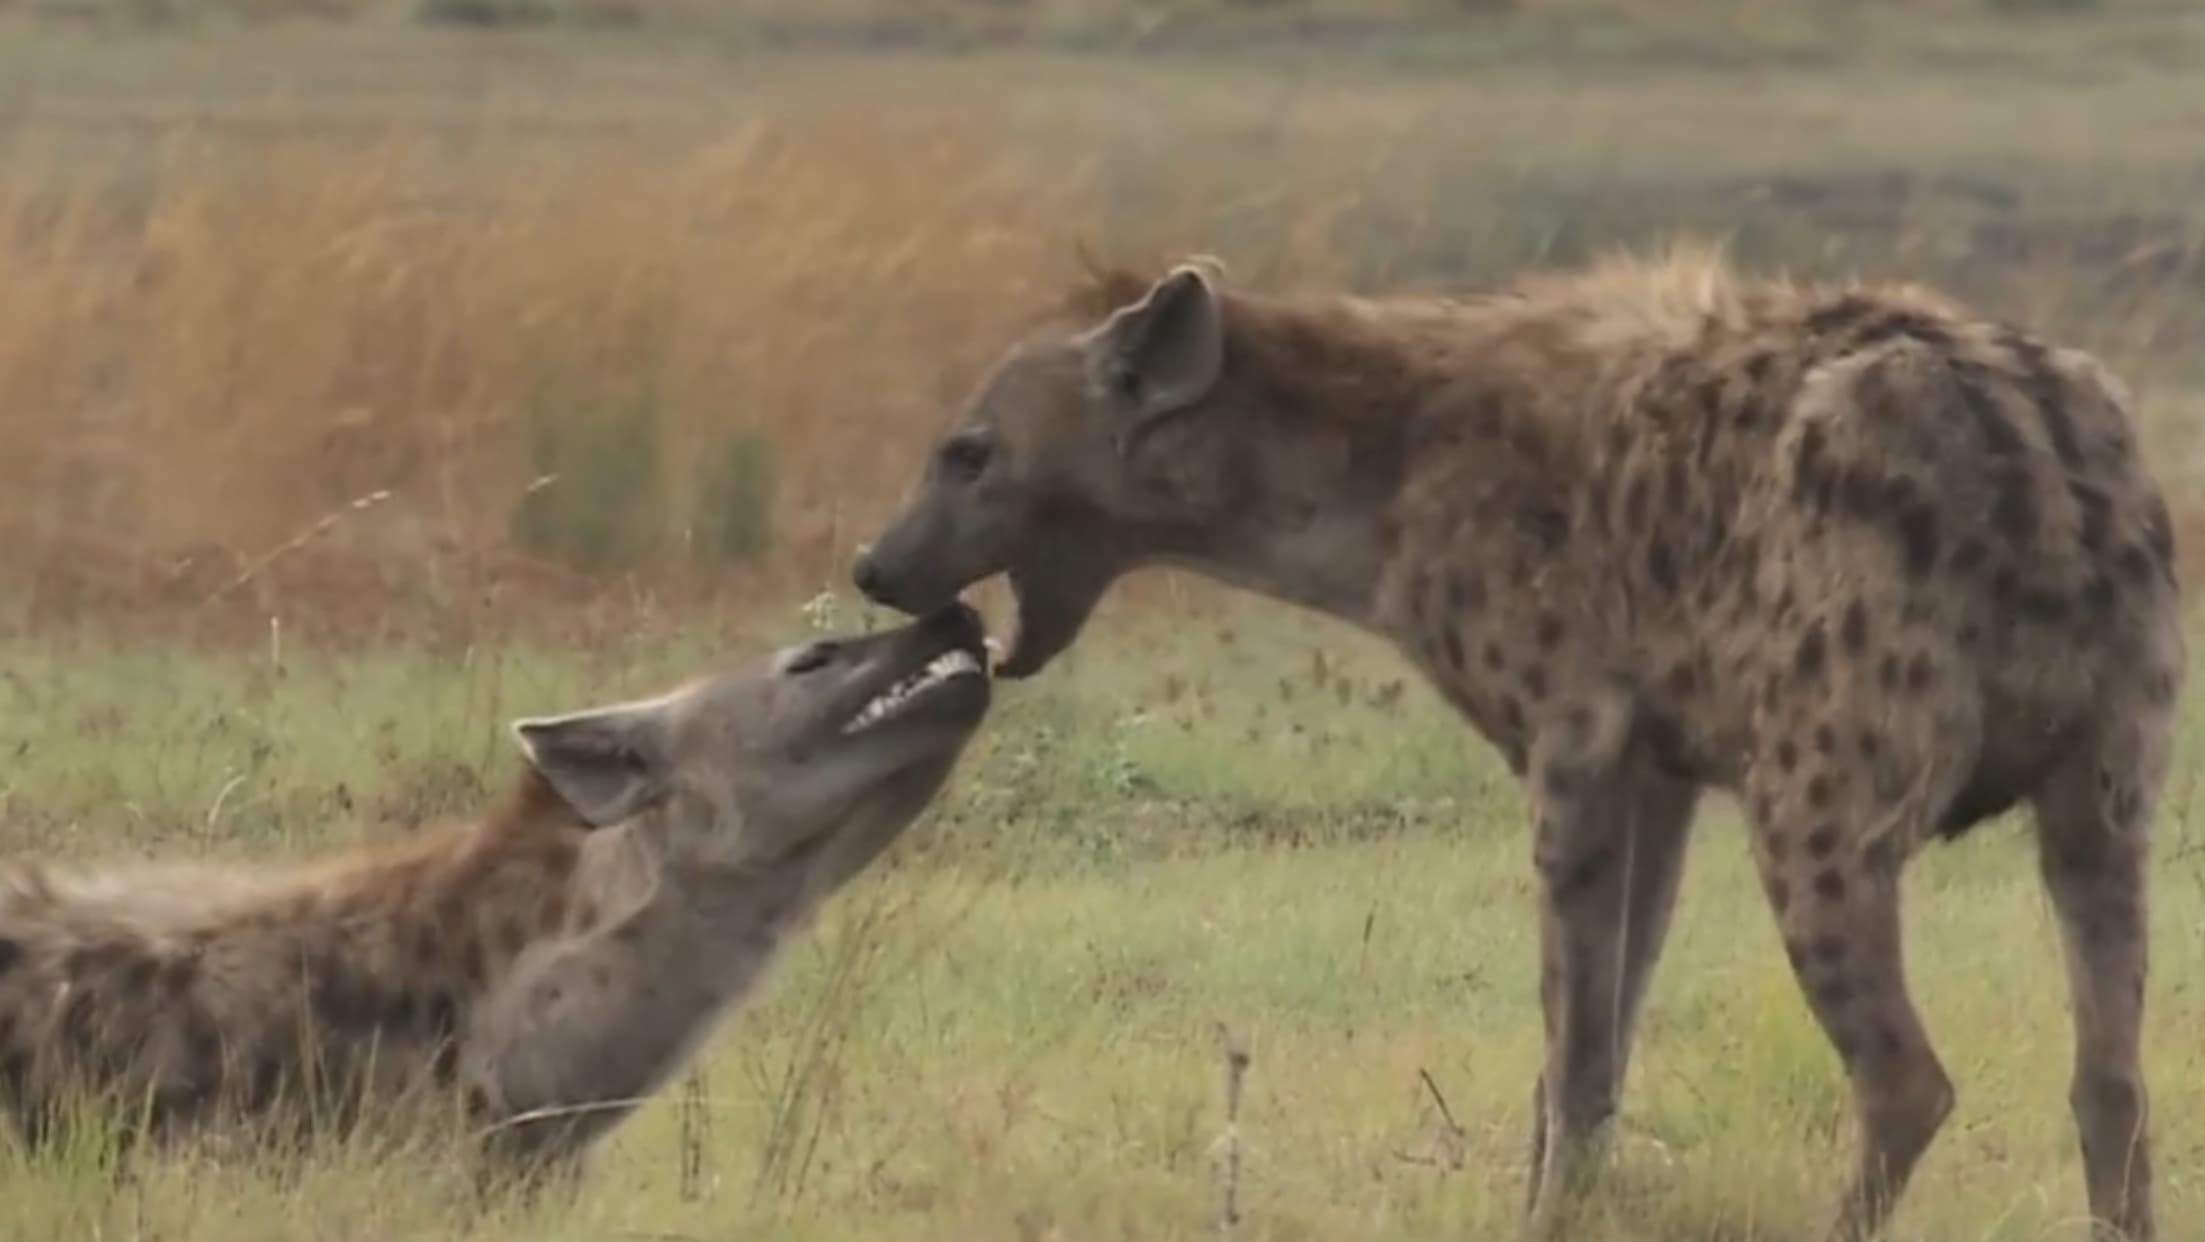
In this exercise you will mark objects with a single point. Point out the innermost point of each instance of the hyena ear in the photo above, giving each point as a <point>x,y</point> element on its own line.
<point>606,764</point>
<point>1161,354</point>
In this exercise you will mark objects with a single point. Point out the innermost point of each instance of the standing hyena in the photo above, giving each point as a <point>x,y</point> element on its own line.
<point>1882,568</point>
<point>554,963</point>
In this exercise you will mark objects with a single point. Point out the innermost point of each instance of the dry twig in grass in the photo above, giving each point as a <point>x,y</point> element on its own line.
<point>1236,1069</point>
<point>328,522</point>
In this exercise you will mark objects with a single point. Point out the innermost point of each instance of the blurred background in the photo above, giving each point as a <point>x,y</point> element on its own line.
<point>627,302</point>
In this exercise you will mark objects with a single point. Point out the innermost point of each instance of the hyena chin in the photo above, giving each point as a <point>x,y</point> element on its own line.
<point>547,967</point>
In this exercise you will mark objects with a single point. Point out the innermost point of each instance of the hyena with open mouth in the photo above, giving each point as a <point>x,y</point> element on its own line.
<point>550,965</point>
<point>1878,565</point>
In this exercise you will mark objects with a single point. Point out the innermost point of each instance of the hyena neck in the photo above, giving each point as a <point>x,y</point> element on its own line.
<point>609,1015</point>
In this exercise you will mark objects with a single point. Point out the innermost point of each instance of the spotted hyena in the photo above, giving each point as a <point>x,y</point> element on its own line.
<point>549,965</point>
<point>1879,566</point>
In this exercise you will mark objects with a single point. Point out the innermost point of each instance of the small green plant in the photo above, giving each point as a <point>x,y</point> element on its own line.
<point>599,503</point>
<point>488,13</point>
<point>733,515</point>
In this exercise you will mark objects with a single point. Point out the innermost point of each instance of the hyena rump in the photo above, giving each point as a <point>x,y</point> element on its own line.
<point>1881,567</point>
<point>549,966</point>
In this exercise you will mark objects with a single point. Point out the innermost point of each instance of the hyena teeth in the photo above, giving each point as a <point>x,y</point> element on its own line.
<point>937,671</point>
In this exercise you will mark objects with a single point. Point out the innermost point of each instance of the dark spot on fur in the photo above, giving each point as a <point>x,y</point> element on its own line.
<point>427,947</point>
<point>1853,630</point>
<point>1999,437</point>
<point>1634,503</point>
<point>1787,755</point>
<point>1535,683</point>
<point>1834,317</point>
<point>1761,810</point>
<point>1465,593</point>
<point>1869,745</point>
<point>1808,660</point>
<point>1904,323</point>
<point>2045,392</point>
<point>1495,659</point>
<point>1822,842</point>
<point>2039,605</point>
<point>1679,490</point>
<point>1967,635</point>
<point>2097,515</point>
<point>1682,681</point>
<point>1818,792</point>
<point>1860,490</point>
<point>1550,630</point>
<point>1512,714</point>
<point>1453,643</point>
<point>473,961</point>
<point>1560,780</point>
<point>1834,993</point>
<point>1660,567</point>
<point>1780,894</point>
<point>1889,1040</point>
<point>1807,463</point>
<point>1887,672</point>
<point>2014,510</point>
<point>202,1041</point>
<point>1968,557</point>
<point>1665,741</point>
<point>11,952</point>
<point>1920,672</point>
<point>1917,525</point>
<point>2099,594</point>
<point>2134,562</point>
<point>1580,874</point>
<point>1549,526</point>
<point>178,972</point>
<point>1830,885</point>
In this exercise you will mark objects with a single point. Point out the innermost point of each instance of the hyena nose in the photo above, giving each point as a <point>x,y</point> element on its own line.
<point>869,580</point>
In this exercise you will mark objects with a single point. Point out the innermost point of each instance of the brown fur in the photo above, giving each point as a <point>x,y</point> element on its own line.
<point>188,991</point>
<point>1879,566</point>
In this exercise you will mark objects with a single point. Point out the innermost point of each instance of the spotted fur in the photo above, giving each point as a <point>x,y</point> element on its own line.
<point>1880,566</point>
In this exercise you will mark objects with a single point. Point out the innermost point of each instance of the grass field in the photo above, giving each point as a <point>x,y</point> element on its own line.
<point>364,385</point>
<point>1013,1030</point>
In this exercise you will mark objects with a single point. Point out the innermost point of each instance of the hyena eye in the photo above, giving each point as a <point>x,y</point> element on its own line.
<point>965,457</point>
<point>815,656</point>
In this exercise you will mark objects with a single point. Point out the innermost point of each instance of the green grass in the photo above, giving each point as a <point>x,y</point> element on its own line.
<point>1012,1029</point>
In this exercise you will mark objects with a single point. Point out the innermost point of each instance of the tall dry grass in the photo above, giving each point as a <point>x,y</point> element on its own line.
<point>584,307</point>
<point>203,361</point>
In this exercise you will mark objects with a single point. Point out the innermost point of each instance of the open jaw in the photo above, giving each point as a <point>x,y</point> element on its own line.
<point>950,680</point>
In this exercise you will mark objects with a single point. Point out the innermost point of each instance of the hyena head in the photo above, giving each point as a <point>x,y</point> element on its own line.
<point>1046,478</point>
<point>818,754</point>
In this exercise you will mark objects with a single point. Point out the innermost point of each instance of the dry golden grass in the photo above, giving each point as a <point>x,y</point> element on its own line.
<point>247,280</point>
<point>269,330</point>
